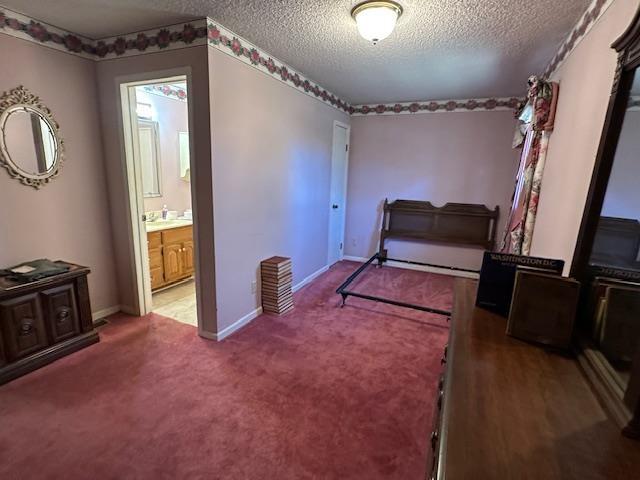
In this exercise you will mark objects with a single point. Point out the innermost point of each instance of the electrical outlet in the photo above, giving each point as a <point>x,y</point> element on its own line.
<point>254,286</point>
<point>354,243</point>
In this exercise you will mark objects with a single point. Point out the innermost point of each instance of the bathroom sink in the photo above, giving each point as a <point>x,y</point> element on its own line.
<point>157,225</point>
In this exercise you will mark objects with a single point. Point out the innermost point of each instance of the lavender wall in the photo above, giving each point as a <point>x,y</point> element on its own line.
<point>585,78</point>
<point>157,65</point>
<point>271,170</point>
<point>69,218</point>
<point>623,192</point>
<point>461,157</point>
<point>172,118</point>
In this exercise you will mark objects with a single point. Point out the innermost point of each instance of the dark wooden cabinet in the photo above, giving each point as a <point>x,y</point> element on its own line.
<point>23,327</point>
<point>42,321</point>
<point>59,304</point>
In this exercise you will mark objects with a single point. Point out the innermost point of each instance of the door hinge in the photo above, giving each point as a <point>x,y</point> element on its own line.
<point>346,147</point>
<point>340,245</point>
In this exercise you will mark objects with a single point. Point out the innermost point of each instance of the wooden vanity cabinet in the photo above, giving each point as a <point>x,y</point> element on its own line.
<point>171,256</point>
<point>42,321</point>
<point>156,265</point>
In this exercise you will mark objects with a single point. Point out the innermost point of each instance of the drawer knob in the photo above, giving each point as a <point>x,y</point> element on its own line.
<point>63,315</point>
<point>26,326</point>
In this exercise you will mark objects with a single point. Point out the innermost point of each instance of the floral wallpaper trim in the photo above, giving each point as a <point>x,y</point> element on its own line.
<point>21,26</point>
<point>171,37</point>
<point>587,21</point>
<point>197,32</point>
<point>470,105</point>
<point>229,43</point>
<point>207,31</point>
<point>169,91</point>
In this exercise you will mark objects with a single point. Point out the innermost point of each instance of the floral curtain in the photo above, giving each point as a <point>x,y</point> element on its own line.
<point>536,117</point>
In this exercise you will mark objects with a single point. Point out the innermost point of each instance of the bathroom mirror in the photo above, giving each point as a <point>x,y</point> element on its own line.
<point>30,146</point>
<point>149,148</point>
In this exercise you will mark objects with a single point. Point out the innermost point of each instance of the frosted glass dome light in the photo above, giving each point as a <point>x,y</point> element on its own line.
<point>376,20</point>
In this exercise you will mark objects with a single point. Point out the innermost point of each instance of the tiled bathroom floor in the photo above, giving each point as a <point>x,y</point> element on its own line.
<point>178,302</point>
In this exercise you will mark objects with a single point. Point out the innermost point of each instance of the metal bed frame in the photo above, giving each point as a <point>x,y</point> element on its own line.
<point>342,289</point>
<point>454,223</point>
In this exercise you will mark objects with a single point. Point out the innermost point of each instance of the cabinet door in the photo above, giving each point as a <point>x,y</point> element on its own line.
<point>22,326</point>
<point>187,257</point>
<point>60,312</point>
<point>172,262</point>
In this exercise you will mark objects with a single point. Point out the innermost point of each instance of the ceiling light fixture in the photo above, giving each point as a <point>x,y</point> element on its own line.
<point>376,19</point>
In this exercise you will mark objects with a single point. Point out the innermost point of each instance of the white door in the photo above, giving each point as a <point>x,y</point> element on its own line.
<point>337,213</point>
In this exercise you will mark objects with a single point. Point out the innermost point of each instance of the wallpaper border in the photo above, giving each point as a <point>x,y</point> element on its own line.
<point>439,106</point>
<point>207,31</point>
<point>590,17</point>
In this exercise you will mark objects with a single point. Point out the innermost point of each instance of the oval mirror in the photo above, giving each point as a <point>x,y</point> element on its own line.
<point>30,147</point>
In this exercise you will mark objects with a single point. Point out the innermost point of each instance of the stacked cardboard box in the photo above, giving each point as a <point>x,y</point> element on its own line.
<point>277,277</point>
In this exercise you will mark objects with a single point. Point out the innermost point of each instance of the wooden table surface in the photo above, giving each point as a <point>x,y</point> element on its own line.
<point>514,410</point>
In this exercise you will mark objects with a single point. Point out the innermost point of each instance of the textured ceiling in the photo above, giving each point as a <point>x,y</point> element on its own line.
<point>441,49</point>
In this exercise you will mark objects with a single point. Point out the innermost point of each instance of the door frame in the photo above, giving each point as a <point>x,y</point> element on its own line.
<point>136,231</point>
<point>347,127</point>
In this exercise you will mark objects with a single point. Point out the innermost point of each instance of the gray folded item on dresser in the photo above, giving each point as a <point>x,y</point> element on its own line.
<point>37,270</point>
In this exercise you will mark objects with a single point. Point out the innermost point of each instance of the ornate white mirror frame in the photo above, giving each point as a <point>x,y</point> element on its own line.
<point>22,100</point>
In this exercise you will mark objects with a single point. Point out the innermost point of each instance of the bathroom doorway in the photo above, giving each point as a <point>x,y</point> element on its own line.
<point>159,168</point>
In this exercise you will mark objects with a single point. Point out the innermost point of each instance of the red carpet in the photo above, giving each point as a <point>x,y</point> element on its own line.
<point>320,393</point>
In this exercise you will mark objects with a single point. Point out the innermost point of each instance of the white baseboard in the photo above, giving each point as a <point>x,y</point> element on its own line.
<point>310,278</point>
<point>225,332</point>
<point>129,310</point>
<point>105,312</point>
<point>207,335</point>
<point>421,268</point>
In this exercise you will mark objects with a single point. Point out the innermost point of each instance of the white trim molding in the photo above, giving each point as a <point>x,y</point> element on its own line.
<point>237,325</point>
<point>420,268</point>
<point>310,278</point>
<point>105,312</point>
<point>245,320</point>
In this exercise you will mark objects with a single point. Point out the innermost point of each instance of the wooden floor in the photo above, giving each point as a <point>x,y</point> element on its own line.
<point>517,411</point>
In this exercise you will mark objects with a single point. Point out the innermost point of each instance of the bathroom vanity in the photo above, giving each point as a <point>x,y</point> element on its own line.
<point>171,257</point>
<point>43,320</point>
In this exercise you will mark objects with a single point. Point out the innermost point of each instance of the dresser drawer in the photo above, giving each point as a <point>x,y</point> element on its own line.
<point>23,328</point>
<point>177,235</point>
<point>60,312</point>
<point>154,239</point>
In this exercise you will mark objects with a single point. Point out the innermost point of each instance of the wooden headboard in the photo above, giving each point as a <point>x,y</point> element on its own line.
<point>453,224</point>
<point>617,243</point>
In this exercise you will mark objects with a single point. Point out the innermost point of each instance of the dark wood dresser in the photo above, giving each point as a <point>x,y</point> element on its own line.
<point>512,410</point>
<point>43,321</point>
